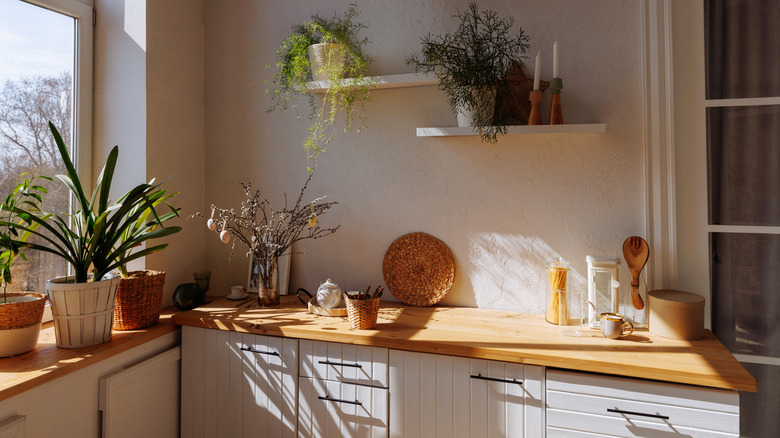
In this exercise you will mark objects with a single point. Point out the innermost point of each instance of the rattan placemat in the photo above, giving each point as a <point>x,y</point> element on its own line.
<point>418,269</point>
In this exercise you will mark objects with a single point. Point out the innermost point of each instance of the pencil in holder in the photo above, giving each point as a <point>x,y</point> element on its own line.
<point>362,314</point>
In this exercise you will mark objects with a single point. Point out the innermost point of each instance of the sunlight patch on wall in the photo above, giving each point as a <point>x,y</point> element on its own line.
<point>508,272</point>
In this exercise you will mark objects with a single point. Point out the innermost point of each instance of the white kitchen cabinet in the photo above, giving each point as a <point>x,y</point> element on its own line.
<point>329,409</point>
<point>344,362</point>
<point>342,390</point>
<point>582,404</point>
<point>445,396</point>
<point>238,384</point>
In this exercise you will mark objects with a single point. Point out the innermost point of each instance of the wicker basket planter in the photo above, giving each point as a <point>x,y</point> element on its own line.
<point>83,312</point>
<point>20,322</point>
<point>139,300</point>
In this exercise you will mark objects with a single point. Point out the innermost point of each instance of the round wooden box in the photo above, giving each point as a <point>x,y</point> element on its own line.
<point>676,314</point>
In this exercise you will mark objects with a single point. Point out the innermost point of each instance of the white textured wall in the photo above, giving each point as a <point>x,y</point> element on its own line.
<point>503,210</point>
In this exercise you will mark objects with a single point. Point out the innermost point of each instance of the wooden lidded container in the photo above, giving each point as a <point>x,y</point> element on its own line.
<point>676,314</point>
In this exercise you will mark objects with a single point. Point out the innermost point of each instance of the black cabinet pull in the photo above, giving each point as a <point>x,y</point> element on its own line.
<point>493,379</point>
<point>641,414</point>
<point>327,398</point>
<point>252,350</point>
<point>341,364</point>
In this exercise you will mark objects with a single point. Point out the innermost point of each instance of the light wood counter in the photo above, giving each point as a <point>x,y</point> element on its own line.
<point>490,334</point>
<point>47,362</point>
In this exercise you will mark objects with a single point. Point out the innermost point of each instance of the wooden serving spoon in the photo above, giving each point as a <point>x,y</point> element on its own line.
<point>636,252</point>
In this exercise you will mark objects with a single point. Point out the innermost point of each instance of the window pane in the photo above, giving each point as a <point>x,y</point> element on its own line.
<point>36,86</point>
<point>745,298</point>
<point>742,48</point>
<point>743,145</point>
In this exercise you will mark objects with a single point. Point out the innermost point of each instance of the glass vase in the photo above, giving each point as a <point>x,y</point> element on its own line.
<point>268,282</point>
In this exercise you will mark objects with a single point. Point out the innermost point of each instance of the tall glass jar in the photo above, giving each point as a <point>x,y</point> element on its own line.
<point>557,276</point>
<point>268,282</point>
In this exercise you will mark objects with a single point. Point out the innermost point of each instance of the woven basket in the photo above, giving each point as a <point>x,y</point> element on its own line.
<point>362,314</point>
<point>82,312</point>
<point>24,313</point>
<point>139,300</point>
<point>418,269</point>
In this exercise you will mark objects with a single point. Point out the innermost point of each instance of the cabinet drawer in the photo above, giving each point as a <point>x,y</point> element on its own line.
<point>343,363</point>
<point>332,409</point>
<point>632,407</point>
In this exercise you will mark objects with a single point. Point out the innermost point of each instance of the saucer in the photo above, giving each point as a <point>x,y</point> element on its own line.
<point>240,297</point>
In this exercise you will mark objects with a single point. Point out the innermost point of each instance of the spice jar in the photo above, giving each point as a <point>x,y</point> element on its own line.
<point>557,275</point>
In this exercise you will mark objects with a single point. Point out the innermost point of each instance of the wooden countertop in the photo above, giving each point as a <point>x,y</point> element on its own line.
<point>47,362</point>
<point>490,334</point>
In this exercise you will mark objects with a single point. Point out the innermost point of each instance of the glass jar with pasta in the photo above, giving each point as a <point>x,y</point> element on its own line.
<point>557,276</point>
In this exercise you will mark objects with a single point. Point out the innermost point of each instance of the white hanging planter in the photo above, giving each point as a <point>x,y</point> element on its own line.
<point>487,100</point>
<point>83,312</point>
<point>325,57</point>
<point>20,322</point>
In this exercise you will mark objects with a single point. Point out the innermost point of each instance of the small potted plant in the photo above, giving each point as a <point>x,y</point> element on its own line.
<point>472,63</point>
<point>90,241</point>
<point>329,51</point>
<point>20,312</point>
<point>140,293</point>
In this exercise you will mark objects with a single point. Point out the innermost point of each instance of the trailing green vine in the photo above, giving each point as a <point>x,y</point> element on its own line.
<point>294,71</point>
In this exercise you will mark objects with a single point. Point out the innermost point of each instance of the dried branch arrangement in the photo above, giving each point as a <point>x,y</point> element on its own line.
<point>268,232</point>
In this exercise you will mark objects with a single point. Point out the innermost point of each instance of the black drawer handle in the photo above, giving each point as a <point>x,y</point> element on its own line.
<point>350,402</point>
<point>493,379</point>
<point>252,350</point>
<point>341,364</point>
<point>641,414</point>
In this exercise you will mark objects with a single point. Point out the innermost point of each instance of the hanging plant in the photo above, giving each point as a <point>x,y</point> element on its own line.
<point>472,63</point>
<point>344,68</point>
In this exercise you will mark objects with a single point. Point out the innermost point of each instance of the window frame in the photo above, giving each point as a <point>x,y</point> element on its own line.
<point>83,12</point>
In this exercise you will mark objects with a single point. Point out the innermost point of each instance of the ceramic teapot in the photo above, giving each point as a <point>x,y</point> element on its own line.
<point>329,295</point>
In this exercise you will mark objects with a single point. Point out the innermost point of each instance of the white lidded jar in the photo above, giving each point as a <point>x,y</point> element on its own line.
<point>329,295</point>
<point>603,287</point>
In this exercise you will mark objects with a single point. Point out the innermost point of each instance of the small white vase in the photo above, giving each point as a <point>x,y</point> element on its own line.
<point>325,57</point>
<point>487,99</point>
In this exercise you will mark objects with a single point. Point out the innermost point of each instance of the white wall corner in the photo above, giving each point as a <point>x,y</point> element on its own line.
<point>659,143</point>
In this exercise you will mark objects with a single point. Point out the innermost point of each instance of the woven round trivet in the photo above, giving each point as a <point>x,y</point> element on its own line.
<point>418,269</point>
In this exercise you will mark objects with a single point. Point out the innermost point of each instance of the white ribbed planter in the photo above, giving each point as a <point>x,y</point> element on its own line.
<point>83,312</point>
<point>327,55</point>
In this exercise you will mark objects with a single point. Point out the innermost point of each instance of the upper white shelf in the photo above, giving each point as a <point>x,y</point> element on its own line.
<point>597,128</point>
<point>381,82</point>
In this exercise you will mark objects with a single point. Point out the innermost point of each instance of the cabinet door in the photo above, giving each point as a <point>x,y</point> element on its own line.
<point>435,395</point>
<point>237,384</point>
<point>330,409</point>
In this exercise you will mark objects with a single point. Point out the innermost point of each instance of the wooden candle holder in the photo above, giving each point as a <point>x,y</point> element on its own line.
<point>556,113</point>
<point>535,117</point>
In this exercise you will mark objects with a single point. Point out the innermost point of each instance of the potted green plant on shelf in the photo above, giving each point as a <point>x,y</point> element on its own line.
<point>330,51</point>
<point>91,241</point>
<point>472,63</point>
<point>20,312</point>
<point>140,293</point>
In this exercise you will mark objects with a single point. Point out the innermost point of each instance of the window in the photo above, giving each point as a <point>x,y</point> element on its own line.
<point>45,75</point>
<point>727,117</point>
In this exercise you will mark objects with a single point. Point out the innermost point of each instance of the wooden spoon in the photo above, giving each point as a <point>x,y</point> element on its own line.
<point>636,252</point>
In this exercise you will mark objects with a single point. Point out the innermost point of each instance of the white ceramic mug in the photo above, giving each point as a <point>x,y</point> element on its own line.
<point>614,326</point>
<point>236,291</point>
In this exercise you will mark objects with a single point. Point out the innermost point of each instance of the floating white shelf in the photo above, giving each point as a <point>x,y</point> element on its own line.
<point>381,82</point>
<point>597,128</point>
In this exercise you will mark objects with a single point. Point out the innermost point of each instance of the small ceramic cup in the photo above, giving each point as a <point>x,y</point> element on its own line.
<point>614,326</point>
<point>236,291</point>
